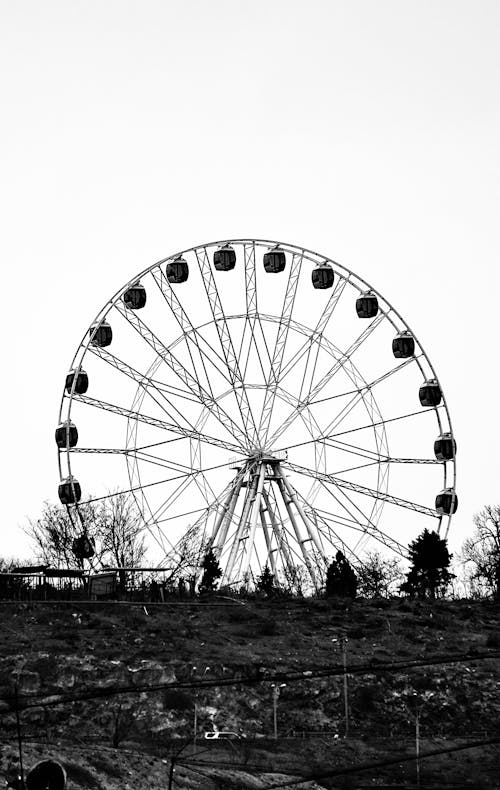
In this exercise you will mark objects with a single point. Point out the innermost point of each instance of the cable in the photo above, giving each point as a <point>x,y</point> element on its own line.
<point>45,700</point>
<point>380,764</point>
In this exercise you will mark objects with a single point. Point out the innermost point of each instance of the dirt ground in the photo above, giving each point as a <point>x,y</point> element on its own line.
<point>128,740</point>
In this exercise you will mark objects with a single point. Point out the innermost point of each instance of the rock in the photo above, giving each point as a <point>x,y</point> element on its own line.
<point>35,716</point>
<point>151,673</point>
<point>65,679</point>
<point>27,682</point>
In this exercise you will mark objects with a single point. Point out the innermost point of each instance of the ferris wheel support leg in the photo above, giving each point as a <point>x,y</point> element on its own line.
<point>311,531</point>
<point>228,516</point>
<point>221,515</point>
<point>250,494</point>
<point>253,520</point>
<point>280,542</point>
<point>300,540</point>
<point>270,550</point>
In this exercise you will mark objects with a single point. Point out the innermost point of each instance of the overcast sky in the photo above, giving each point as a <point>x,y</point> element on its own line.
<point>368,131</point>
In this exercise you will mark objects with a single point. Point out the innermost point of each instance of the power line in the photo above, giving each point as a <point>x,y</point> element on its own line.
<point>380,764</point>
<point>260,676</point>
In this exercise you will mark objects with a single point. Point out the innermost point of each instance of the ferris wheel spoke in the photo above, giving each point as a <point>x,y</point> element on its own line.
<point>279,346</point>
<point>185,482</point>
<point>141,379</point>
<point>314,337</point>
<point>252,319</point>
<point>360,396</point>
<point>250,278</point>
<point>251,300</point>
<point>147,384</point>
<point>192,534</point>
<point>337,540</point>
<point>226,343</point>
<point>186,377</point>
<point>255,323</point>
<point>154,460</point>
<point>190,332</point>
<point>349,368</point>
<point>314,392</point>
<point>380,422</point>
<point>385,460</point>
<point>354,525</point>
<point>184,515</point>
<point>183,477</point>
<point>204,487</point>
<point>184,545</point>
<point>137,455</point>
<point>377,457</point>
<point>324,438</point>
<point>363,523</point>
<point>153,521</point>
<point>171,427</point>
<point>215,386</point>
<point>370,492</point>
<point>368,527</point>
<point>342,360</point>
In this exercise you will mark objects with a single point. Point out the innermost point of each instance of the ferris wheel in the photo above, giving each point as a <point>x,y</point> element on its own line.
<point>261,400</point>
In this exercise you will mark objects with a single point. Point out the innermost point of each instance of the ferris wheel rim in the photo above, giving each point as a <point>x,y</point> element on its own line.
<point>346,273</point>
<point>350,277</point>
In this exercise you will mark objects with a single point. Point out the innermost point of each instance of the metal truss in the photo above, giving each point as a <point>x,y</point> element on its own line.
<point>275,397</point>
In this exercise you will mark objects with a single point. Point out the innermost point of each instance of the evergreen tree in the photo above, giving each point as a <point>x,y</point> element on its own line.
<point>430,560</point>
<point>341,579</point>
<point>265,582</point>
<point>211,572</point>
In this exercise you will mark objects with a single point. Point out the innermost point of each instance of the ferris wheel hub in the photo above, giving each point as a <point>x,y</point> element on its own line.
<point>243,371</point>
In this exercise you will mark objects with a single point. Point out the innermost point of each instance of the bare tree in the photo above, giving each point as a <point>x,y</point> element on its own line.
<point>54,532</point>
<point>378,576</point>
<point>113,523</point>
<point>120,528</point>
<point>481,552</point>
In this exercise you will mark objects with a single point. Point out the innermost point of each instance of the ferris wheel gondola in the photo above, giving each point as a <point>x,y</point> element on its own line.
<point>270,418</point>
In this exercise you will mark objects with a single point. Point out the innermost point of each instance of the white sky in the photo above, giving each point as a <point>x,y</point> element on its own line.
<point>368,131</point>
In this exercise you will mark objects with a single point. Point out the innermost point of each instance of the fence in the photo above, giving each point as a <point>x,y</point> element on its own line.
<point>127,584</point>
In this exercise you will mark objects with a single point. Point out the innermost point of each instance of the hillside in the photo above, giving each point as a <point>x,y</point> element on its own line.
<point>62,654</point>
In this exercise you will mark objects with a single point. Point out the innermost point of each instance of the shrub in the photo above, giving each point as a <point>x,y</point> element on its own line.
<point>240,614</point>
<point>81,776</point>
<point>173,699</point>
<point>47,668</point>
<point>266,628</point>
<point>366,697</point>
<point>423,682</point>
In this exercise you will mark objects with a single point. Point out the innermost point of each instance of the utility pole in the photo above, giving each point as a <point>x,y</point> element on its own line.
<point>343,643</point>
<point>276,693</point>
<point>417,745</point>
<point>418,710</point>
<point>346,691</point>
<point>195,722</point>
<point>19,738</point>
<point>173,761</point>
<point>171,773</point>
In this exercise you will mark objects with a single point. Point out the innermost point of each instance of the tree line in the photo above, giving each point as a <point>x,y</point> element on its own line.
<point>110,534</point>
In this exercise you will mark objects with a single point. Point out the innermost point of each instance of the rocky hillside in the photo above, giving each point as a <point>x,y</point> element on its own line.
<point>60,656</point>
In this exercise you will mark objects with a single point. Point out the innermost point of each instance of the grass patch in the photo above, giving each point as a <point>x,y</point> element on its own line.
<point>82,776</point>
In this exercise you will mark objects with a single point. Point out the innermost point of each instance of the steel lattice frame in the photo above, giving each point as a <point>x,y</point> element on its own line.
<point>247,384</point>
